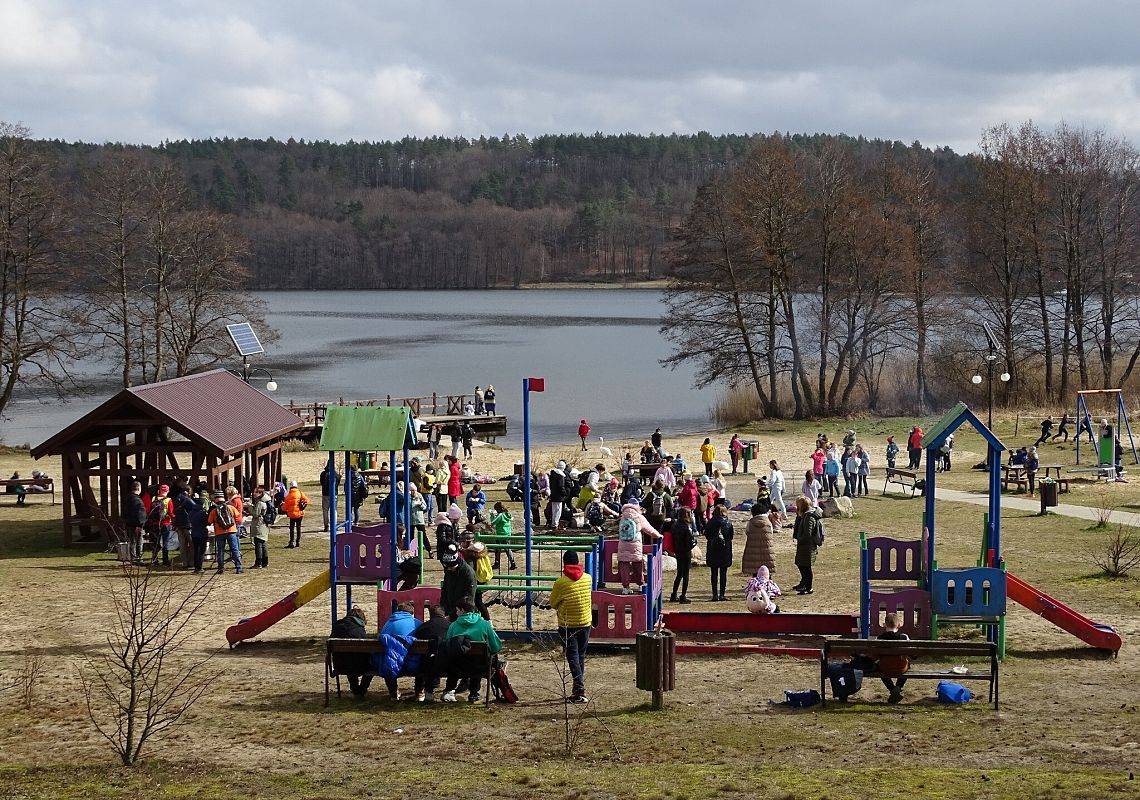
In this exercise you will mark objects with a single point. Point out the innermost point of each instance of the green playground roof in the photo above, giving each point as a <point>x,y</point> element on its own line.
<point>358,428</point>
<point>954,419</point>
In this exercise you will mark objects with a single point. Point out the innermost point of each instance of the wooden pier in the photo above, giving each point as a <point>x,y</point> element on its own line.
<point>445,410</point>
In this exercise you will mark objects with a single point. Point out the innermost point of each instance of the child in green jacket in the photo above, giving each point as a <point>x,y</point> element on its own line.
<point>502,524</point>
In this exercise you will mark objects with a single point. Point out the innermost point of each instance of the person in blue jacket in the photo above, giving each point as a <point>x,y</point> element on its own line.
<point>476,503</point>
<point>396,636</point>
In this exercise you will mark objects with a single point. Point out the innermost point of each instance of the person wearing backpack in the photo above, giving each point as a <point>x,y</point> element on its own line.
<point>658,506</point>
<point>225,532</point>
<point>632,526</point>
<point>262,514</point>
<point>294,506</point>
<point>180,503</point>
<point>718,550</point>
<point>160,515</point>
<point>684,534</point>
<point>808,536</point>
<point>199,518</point>
<point>570,597</point>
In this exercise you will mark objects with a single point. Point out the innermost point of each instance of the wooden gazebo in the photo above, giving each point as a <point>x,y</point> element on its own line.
<point>208,430</point>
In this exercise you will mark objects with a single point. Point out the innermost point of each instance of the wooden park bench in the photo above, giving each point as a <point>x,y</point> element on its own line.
<point>1106,471</point>
<point>43,483</point>
<point>844,649</point>
<point>905,478</point>
<point>424,648</point>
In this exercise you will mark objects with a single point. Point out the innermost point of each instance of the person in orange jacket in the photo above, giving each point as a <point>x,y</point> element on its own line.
<point>222,519</point>
<point>294,506</point>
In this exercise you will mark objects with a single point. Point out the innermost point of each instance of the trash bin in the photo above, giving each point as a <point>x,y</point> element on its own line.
<point>1048,491</point>
<point>655,663</point>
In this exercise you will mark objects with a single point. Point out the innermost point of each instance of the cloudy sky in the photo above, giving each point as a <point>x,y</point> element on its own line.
<point>940,72</point>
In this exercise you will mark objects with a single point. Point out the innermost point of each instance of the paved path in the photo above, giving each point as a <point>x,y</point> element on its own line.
<point>1025,504</point>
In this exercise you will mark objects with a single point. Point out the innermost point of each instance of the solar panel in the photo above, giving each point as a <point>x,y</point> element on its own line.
<point>245,340</point>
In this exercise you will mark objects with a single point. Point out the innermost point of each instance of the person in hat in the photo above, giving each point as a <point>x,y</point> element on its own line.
<point>134,517</point>
<point>259,507</point>
<point>445,533</point>
<point>294,506</point>
<point>160,517</point>
<point>583,433</point>
<point>458,581</point>
<point>570,597</point>
<point>225,532</point>
<point>892,452</point>
<point>475,554</point>
<point>489,400</point>
<point>357,667</point>
<point>763,494</point>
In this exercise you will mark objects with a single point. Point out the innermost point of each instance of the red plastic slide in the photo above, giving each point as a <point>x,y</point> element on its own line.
<point>251,626</point>
<point>1103,637</point>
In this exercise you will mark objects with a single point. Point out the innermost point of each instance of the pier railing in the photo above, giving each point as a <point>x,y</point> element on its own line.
<point>433,404</point>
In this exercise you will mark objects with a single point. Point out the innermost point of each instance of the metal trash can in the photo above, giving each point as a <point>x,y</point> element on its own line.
<point>656,671</point>
<point>1048,490</point>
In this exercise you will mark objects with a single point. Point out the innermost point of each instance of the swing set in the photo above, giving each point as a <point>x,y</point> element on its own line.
<point>1105,445</point>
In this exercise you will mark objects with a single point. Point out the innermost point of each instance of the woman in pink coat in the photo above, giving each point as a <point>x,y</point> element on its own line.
<point>632,527</point>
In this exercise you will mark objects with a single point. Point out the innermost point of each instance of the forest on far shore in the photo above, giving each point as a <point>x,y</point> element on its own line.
<point>454,212</point>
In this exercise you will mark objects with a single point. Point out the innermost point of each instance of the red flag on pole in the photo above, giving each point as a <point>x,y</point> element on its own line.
<point>536,384</point>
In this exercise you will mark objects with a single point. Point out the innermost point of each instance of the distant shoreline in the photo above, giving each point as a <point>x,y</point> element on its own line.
<point>657,283</point>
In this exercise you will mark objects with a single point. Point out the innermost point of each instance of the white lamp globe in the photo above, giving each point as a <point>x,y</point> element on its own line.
<point>1005,376</point>
<point>977,379</point>
<point>271,386</point>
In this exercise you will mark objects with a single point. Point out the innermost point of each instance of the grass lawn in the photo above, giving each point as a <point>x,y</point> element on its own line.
<point>1069,725</point>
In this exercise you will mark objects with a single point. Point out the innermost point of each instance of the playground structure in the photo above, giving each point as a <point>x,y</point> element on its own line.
<point>927,597</point>
<point>360,556</point>
<point>1105,445</point>
<point>895,575</point>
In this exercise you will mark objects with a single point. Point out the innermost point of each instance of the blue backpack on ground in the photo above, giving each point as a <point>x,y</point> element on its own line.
<point>953,693</point>
<point>801,699</point>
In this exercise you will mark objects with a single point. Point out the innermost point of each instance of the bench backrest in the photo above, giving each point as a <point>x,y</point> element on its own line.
<point>421,597</point>
<point>912,647</point>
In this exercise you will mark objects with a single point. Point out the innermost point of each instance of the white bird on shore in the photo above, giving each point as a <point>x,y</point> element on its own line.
<point>602,446</point>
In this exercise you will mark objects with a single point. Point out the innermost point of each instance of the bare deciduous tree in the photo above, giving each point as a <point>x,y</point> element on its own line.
<point>148,678</point>
<point>39,324</point>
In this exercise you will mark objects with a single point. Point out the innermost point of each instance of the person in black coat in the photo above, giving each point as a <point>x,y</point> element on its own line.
<point>718,550</point>
<point>355,666</point>
<point>134,519</point>
<point>435,628</point>
<point>458,582</point>
<point>807,535</point>
<point>684,540</point>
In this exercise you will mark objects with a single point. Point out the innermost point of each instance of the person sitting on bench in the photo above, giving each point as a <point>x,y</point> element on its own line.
<point>16,489</point>
<point>427,676</point>
<point>354,666</point>
<point>473,628</point>
<point>399,630</point>
<point>890,669</point>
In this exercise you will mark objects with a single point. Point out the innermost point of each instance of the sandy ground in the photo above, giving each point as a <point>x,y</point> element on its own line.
<point>1066,709</point>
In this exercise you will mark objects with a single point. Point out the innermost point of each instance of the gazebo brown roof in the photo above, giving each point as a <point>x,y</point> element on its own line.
<point>209,429</point>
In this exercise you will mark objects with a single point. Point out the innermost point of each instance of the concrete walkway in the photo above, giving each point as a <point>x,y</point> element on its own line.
<point>1129,518</point>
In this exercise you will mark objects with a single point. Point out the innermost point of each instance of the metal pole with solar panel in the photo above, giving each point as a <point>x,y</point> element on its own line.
<point>247,344</point>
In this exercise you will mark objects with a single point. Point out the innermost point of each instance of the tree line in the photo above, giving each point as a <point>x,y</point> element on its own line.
<point>823,277</point>
<point>111,260</point>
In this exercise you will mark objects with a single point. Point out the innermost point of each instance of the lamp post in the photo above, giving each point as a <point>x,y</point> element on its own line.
<point>247,373</point>
<point>991,359</point>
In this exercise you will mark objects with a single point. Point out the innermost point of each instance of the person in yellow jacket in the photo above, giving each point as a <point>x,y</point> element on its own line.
<point>294,506</point>
<point>708,455</point>
<point>570,597</point>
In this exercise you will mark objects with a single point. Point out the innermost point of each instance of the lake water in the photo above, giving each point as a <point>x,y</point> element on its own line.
<point>598,350</point>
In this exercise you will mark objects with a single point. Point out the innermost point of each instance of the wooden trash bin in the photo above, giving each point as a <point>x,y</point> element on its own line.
<point>656,651</point>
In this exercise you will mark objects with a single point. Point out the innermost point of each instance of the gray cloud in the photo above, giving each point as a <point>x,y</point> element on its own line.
<point>938,72</point>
